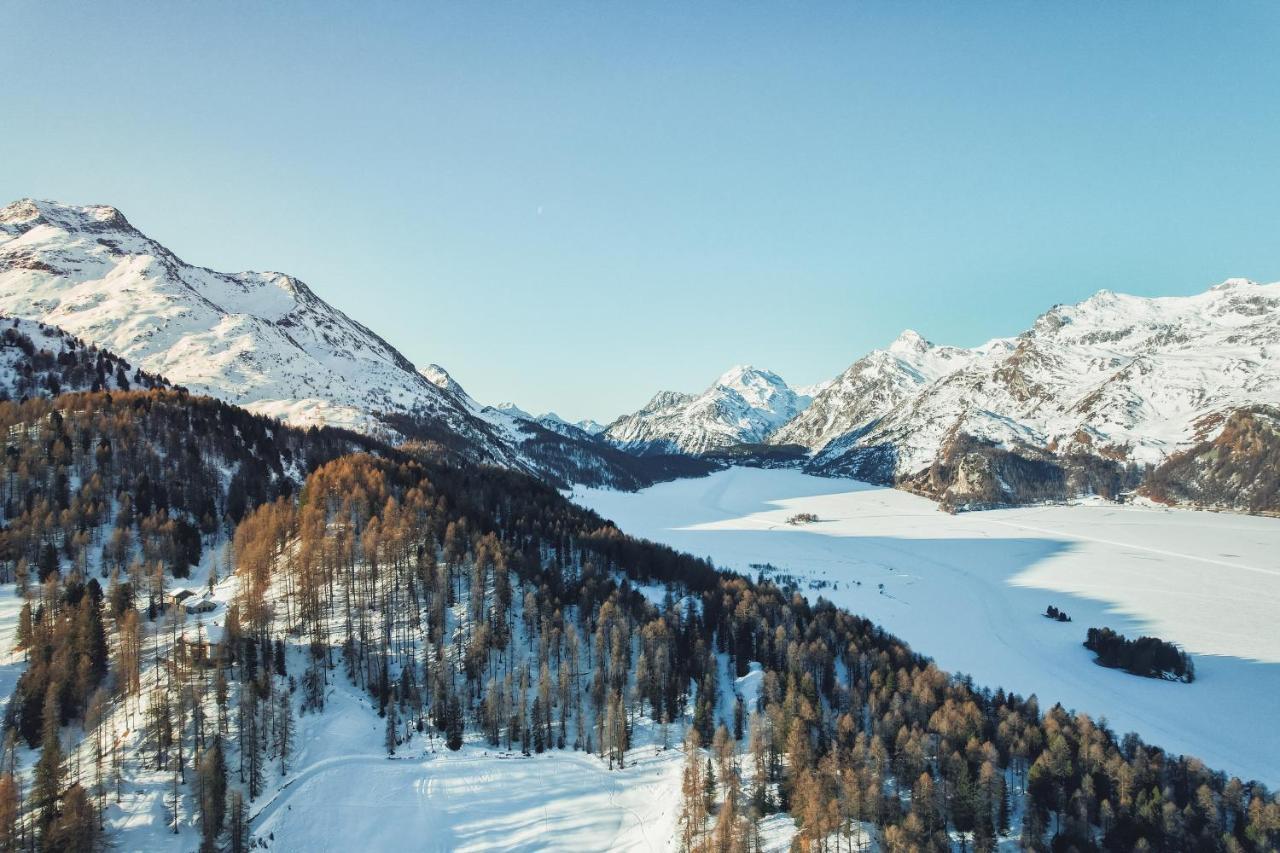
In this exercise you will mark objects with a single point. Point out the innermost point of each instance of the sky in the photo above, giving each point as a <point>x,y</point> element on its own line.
<point>574,205</point>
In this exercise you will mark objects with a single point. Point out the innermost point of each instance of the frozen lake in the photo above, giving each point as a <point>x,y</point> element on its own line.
<point>969,591</point>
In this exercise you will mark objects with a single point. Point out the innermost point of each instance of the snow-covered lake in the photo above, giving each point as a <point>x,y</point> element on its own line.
<point>969,590</point>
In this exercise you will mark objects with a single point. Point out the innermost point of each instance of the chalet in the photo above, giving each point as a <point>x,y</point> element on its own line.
<point>203,604</point>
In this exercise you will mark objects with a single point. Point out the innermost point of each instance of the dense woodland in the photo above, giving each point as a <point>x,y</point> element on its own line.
<point>480,605</point>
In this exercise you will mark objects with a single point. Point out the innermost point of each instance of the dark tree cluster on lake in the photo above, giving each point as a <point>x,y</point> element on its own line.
<point>1150,657</point>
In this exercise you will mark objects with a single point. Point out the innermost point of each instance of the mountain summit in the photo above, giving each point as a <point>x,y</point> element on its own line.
<point>743,406</point>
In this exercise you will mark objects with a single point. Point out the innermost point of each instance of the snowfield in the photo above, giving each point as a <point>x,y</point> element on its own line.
<point>970,591</point>
<point>350,796</point>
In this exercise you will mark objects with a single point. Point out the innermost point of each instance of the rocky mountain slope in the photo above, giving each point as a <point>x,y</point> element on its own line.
<point>874,385</point>
<point>745,405</point>
<point>1238,469</point>
<point>261,340</point>
<point>1089,389</point>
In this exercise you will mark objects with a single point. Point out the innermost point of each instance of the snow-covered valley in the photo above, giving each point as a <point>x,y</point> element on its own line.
<point>970,590</point>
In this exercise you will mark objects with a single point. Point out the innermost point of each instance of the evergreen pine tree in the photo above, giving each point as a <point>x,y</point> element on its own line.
<point>389,736</point>
<point>285,728</point>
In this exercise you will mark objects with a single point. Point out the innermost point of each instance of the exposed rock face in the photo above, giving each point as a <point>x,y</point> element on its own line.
<point>1237,470</point>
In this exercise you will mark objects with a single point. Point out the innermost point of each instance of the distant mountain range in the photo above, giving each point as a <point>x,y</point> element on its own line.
<point>1110,396</point>
<point>1174,397</point>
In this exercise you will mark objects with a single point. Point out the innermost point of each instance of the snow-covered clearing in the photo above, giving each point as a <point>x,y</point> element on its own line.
<point>347,795</point>
<point>969,590</point>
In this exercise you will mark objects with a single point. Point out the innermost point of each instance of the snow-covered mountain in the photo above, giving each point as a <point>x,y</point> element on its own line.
<point>587,425</point>
<point>744,406</point>
<point>872,386</point>
<point>1115,378</point>
<point>261,340</point>
<point>1059,409</point>
<point>561,452</point>
<point>266,342</point>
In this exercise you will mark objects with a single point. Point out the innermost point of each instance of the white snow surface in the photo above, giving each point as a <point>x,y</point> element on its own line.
<point>970,590</point>
<point>746,404</point>
<point>347,795</point>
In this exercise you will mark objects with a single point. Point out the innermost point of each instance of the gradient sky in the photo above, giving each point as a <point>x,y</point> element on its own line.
<point>574,205</point>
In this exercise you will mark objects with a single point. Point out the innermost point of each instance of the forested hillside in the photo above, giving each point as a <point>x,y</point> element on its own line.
<point>37,360</point>
<point>477,606</point>
<point>1239,469</point>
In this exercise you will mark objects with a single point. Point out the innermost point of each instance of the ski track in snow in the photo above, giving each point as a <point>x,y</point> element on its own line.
<point>969,591</point>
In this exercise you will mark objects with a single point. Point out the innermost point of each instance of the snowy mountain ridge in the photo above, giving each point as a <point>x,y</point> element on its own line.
<point>1087,393</point>
<point>744,405</point>
<point>261,340</point>
<point>874,385</point>
<point>1115,377</point>
<point>264,341</point>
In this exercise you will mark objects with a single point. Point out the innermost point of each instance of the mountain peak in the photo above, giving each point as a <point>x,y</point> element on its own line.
<point>515,411</point>
<point>441,378</point>
<point>909,341</point>
<point>743,375</point>
<point>745,404</point>
<point>95,217</point>
<point>1234,284</point>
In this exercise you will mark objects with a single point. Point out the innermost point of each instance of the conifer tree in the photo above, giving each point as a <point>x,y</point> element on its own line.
<point>10,811</point>
<point>693,813</point>
<point>47,782</point>
<point>389,734</point>
<point>285,728</point>
<point>76,826</point>
<point>238,830</point>
<point>211,778</point>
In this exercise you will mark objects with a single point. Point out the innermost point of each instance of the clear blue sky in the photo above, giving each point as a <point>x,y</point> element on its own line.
<point>574,205</point>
